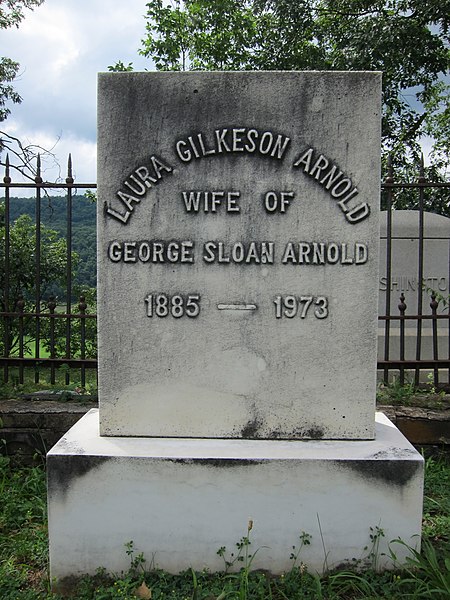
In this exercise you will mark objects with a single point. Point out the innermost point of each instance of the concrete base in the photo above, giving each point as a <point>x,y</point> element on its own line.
<point>180,500</point>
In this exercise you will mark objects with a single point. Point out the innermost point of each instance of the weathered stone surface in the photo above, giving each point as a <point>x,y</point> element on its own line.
<point>180,500</point>
<point>253,314</point>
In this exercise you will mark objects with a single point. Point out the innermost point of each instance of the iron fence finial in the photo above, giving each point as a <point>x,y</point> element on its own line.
<point>69,178</point>
<point>38,178</point>
<point>7,178</point>
<point>421,178</point>
<point>390,170</point>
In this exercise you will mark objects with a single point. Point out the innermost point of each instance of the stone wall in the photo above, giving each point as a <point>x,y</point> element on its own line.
<point>30,428</point>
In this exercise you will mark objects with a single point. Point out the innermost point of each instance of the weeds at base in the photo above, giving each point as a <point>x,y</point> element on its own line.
<point>24,568</point>
<point>425,396</point>
<point>60,390</point>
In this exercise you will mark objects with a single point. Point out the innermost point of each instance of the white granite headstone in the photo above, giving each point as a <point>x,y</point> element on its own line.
<point>405,258</point>
<point>405,254</point>
<point>238,274</point>
<point>238,254</point>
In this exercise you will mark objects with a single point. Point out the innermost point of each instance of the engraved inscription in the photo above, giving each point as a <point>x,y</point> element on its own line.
<point>231,140</point>
<point>290,306</point>
<point>211,201</point>
<point>239,252</point>
<point>242,253</point>
<point>176,306</point>
<point>154,251</point>
<point>138,183</point>
<point>180,305</point>
<point>321,253</point>
<point>237,306</point>
<point>278,201</point>
<point>229,201</point>
<point>238,141</point>
<point>332,179</point>
<point>402,283</point>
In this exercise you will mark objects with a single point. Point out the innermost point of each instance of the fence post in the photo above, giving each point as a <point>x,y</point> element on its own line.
<point>38,182</point>
<point>434,306</point>
<point>402,309</point>
<point>51,304</point>
<point>82,307</point>
<point>69,182</point>
<point>421,180</point>
<point>6,320</point>
<point>387,324</point>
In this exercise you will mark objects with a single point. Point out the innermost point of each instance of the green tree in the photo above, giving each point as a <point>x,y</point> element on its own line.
<point>120,67</point>
<point>8,72</point>
<point>18,284</point>
<point>83,332</point>
<point>408,40</point>
<point>11,14</point>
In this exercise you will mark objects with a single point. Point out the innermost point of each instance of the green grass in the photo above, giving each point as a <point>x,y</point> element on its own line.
<point>30,349</point>
<point>23,533</point>
<point>24,567</point>
<point>436,505</point>
<point>426,396</point>
<point>14,389</point>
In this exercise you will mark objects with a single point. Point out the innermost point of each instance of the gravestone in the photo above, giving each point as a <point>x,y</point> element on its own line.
<point>237,300</point>
<point>238,255</point>
<point>405,279</point>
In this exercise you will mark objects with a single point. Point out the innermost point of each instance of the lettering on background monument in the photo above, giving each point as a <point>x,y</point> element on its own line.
<point>238,255</point>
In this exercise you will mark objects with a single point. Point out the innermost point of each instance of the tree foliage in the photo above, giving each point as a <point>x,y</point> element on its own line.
<point>120,67</point>
<point>21,283</point>
<point>408,40</point>
<point>21,291</point>
<point>54,216</point>
<point>11,14</point>
<point>8,72</point>
<point>83,332</point>
<point>22,260</point>
<point>12,11</point>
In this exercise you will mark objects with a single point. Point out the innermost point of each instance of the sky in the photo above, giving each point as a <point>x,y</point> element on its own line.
<point>61,46</point>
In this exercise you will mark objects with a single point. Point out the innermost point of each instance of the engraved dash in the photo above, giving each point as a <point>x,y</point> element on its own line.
<point>237,306</point>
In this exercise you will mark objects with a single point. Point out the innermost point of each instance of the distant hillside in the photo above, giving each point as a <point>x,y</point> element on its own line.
<point>54,215</point>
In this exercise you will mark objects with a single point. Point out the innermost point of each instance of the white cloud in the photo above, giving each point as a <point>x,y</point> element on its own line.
<point>50,29</point>
<point>54,163</point>
<point>61,46</point>
<point>427,146</point>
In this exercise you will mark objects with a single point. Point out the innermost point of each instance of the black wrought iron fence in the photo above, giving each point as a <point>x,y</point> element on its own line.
<point>37,328</point>
<point>410,357</point>
<point>33,317</point>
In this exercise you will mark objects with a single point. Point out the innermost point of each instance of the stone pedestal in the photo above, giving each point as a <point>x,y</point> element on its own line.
<point>238,245</point>
<point>180,500</point>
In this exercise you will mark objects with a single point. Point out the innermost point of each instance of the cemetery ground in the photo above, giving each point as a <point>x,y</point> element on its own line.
<point>24,541</point>
<point>24,556</point>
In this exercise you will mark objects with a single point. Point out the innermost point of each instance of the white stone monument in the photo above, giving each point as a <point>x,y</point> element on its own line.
<point>237,300</point>
<point>405,279</point>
